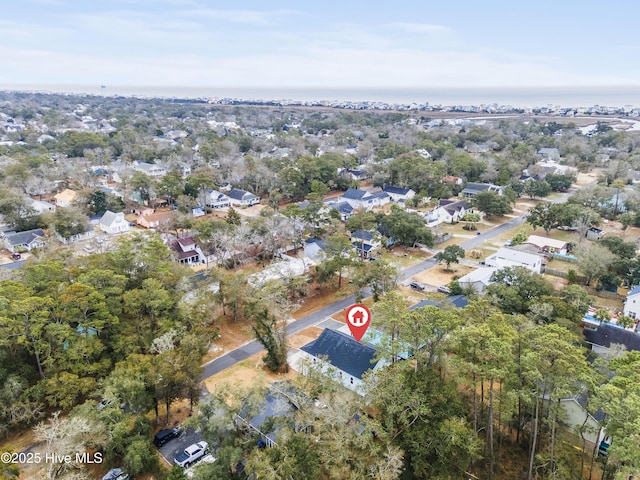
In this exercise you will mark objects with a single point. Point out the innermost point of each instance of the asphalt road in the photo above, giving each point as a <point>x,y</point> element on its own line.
<point>251,348</point>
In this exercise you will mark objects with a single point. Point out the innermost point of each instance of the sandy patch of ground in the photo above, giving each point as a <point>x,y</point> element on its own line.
<point>437,275</point>
<point>247,373</point>
<point>305,336</point>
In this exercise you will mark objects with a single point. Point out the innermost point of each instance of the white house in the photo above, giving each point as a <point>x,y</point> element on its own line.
<point>448,211</point>
<point>632,303</point>
<point>151,169</point>
<point>242,198</point>
<point>472,189</point>
<point>399,194</point>
<point>339,355</point>
<point>113,223</point>
<point>40,206</point>
<point>364,199</point>
<point>215,199</point>
<point>508,257</point>
<point>314,249</point>
<point>24,241</point>
<point>479,279</point>
<point>186,250</point>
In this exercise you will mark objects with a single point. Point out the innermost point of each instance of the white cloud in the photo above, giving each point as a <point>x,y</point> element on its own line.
<point>422,28</point>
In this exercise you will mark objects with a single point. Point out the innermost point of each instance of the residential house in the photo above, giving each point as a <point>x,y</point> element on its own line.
<point>339,352</point>
<point>151,169</point>
<point>508,257</point>
<point>279,402</point>
<point>314,249</point>
<point>399,194</point>
<point>552,166</point>
<point>344,208</point>
<point>113,223</point>
<point>548,245</point>
<point>549,153</point>
<point>478,279</point>
<point>471,189</point>
<point>353,174</point>
<point>186,251</point>
<point>242,198</point>
<point>24,241</point>
<point>215,199</point>
<point>448,211</point>
<point>364,199</point>
<point>155,220</point>
<point>452,180</point>
<point>65,198</point>
<point>40,206</point>
<point>632,303</point>
<point>365,242</point>
<point>604,336</point>
<point>594,233</point>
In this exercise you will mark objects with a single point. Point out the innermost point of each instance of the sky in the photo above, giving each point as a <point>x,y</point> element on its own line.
<point>328,44</point>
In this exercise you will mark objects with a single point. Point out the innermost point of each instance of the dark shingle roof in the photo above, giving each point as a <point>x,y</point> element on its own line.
<point>24,238</point>
<point>238,194</point>
<point>476,187</point>
<point>354,194</point>
<point>343,352</point>
<point>362,235</point>
<point>396,190</point>
<point>606,334</point>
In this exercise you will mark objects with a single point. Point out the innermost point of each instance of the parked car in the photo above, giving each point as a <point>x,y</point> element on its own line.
<point>164,436</point>
<point>508,243</point>
<point>191,454</point>
<point>417,286</point>
<point>16,256</point>
<point>444,289</point>
<point>103,404</point>
<point>116,474</point>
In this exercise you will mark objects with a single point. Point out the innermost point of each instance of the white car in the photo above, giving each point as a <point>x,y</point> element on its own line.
<point>191,454</point>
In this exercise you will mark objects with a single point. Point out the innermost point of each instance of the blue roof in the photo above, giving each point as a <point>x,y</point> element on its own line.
<point>396,190</point>
<point>343,352</point>
<point>362,235</point>
<point>634,290</point>
<point>343,207</point>
<point>354,194</point>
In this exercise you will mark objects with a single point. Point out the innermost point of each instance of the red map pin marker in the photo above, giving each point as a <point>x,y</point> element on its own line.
<point>358,320</point>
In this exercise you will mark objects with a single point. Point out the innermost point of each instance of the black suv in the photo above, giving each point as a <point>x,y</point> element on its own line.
<point>163,436</point>
<point>417,286</point>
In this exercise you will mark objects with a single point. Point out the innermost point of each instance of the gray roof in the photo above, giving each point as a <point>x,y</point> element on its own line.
<point>396,190</point>
<point>604,335</point>
<point>343,352</point>
<point>109,217</point>
<point>238,194</point>
<point>354,194</point>
<point>342,207</point>
<point>24,238</point>
<point>476,187</point>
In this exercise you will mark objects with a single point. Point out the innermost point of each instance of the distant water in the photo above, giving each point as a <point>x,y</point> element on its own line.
<point>611,96</point>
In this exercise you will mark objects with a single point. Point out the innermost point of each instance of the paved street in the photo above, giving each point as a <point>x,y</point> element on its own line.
<point>251,348</point>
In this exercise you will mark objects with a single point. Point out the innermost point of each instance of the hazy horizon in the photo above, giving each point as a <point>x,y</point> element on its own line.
<point>610,96</point>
